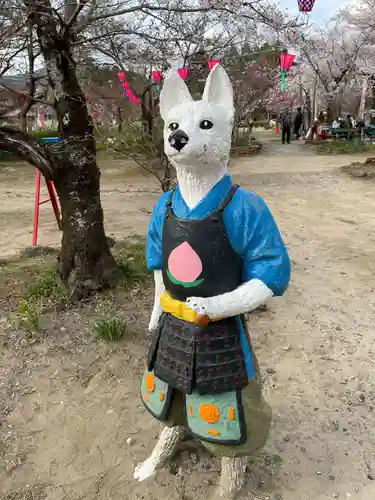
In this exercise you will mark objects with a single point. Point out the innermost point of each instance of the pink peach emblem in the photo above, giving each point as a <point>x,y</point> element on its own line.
<point>184,263</point>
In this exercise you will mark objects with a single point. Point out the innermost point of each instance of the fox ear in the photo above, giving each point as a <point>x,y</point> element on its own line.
<point>174,93</point>
<point>218,90</point>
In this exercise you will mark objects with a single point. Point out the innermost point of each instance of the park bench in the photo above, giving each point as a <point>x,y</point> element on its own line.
<point>344,133</point>
<point>341,133</point>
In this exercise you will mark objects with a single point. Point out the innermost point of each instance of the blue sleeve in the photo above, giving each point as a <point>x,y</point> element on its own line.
<point>154,234</point>
<point>254,235</point>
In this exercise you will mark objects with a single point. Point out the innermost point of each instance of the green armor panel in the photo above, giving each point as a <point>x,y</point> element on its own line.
<point>216,418</point>
<point>156,395</point>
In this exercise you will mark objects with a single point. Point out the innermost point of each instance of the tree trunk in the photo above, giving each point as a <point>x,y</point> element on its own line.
<point>372,101</point>
<point>330,111</point>
<point>119,117</point>
<point>23,114</point>
<point>84,245</point>
<point>76,176</point>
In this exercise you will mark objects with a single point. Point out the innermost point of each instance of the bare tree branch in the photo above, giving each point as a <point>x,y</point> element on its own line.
<point>28,149</point>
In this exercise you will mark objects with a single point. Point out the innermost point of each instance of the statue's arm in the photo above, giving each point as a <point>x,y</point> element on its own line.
<point>243,299</point>
<point>157,310</point>
<point>266,265</point>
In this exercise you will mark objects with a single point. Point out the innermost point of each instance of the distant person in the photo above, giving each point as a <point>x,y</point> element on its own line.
<point>352,124</point>
<point>361,122</point>
<point>344,123</point>
<point>361,125</point>
<point>336,124</point>
<point>285,125</point>
<point>251,125</point>
<point>298,120</point>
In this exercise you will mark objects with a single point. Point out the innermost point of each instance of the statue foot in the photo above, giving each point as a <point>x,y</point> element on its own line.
<point>164,449</point>
<point>144,470</point>
<point>233,474</point>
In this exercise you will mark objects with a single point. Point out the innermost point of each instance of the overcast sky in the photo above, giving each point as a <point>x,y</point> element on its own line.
<point>323,9</point>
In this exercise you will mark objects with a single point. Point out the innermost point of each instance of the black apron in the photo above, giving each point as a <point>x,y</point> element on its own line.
<point>187,356</point>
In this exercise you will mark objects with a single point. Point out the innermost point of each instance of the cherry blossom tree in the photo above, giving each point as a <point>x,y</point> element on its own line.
<point>60,32</point>
<point>361,19</point>
<point>333,54</point>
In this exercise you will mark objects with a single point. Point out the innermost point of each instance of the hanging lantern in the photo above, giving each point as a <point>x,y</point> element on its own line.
<point>305,6</point>
<point>157,75</point>
<point>286,62</point>
<point>183,72</point>
<point>212,63</point>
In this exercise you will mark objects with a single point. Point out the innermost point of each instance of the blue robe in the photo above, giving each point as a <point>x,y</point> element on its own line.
<point>252,233</point>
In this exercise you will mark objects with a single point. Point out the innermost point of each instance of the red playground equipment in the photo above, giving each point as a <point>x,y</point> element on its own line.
<point>52,198</point>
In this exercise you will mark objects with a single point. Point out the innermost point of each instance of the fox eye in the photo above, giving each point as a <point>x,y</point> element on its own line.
<point>206,124</point>
<point>173,126</point>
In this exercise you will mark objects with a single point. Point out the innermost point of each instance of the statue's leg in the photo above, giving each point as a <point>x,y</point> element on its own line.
<point>164,449</point>
<point>233,471</point>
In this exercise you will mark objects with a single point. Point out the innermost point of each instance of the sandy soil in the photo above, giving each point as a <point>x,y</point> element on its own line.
<point>73,426</point>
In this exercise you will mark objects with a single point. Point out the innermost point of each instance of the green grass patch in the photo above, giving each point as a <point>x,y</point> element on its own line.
<point>46,285</point>
<point>131,261</point>
<point>45,132</point>
<point>34,286</point>
<point>110,329</point>
<point>343,147</point>
<point>43,285</point>
<point>28,317</point>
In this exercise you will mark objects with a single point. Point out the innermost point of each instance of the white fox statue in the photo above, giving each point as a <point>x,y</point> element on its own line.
<point>217,254</point>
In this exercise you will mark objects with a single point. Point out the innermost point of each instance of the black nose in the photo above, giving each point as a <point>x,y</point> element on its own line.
<point>178,139</point>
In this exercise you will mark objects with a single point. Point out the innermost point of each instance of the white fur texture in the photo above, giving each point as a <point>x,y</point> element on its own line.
<point>204,159</point>
<point>244,299</point>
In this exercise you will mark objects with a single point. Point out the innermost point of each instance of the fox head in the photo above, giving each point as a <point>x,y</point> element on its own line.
<point>197,134</point>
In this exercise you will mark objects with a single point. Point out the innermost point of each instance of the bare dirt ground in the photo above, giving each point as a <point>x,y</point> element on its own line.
<point>71,422</point>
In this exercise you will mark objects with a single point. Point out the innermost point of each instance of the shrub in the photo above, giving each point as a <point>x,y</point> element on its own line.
<point>28,317</point>
<point>45,285</point>
<point>110,329</point>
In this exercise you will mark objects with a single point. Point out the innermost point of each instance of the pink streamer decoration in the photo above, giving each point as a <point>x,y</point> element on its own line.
<point>157,75</point>
<point>212,63</point>
<point>183,72</point>
<point>127,90</point>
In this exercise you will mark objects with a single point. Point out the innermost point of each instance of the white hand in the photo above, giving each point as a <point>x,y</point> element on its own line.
<point>206,306</point>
